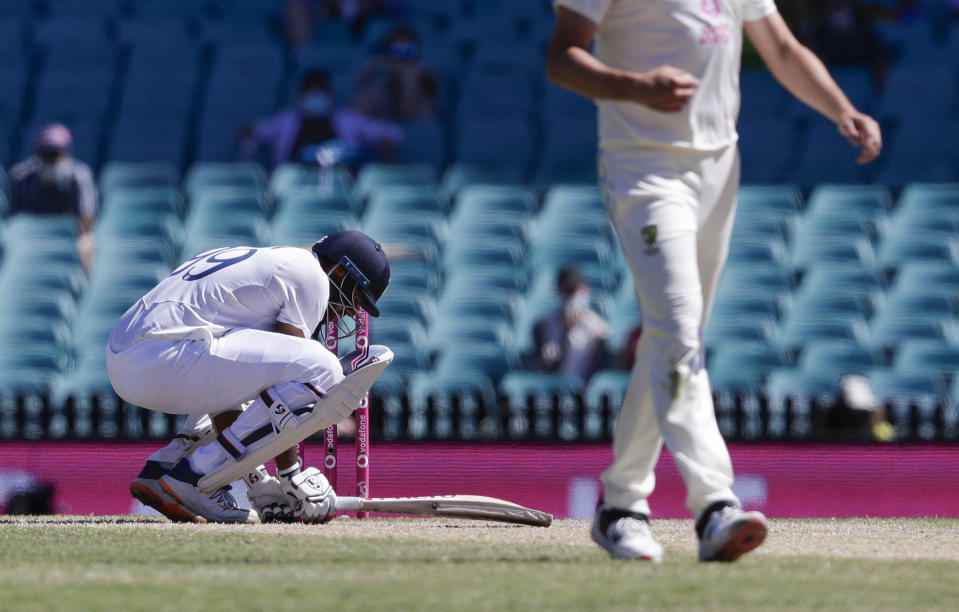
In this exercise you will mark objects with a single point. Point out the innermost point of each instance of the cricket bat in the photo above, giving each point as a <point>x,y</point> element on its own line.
<point>475,507</point>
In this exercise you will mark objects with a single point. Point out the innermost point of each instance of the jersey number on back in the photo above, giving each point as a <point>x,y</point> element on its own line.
<point>214,258</point>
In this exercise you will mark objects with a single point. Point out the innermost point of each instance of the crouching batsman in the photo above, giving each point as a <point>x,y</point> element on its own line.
<point>225,339</point>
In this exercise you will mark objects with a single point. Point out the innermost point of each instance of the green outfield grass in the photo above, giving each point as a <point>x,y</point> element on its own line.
<point>127,563</point>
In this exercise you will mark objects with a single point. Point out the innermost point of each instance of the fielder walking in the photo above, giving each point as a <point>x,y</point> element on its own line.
<point>665,76</point>
<point>231,328</point>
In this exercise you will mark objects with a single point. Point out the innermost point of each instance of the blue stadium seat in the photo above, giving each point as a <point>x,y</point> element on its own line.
<point>608,385</point>
<point>502,200</point>
<point>424,141</point>
<point>124,175</point>
<point>919,200</point>
<point>901,91</point>
<point>865,200</point>
<point>739,330</point>
<point>918,149</point>
<point>492,360</point>
<point>891,385</point>
<point>927,278</point>
<point>827,157</point>
<point>514,96</point>
<point>446,384</point>
<point>809,250</point>
<point>896,249</point>
<point>784,383</point>
<point>888,330</point>
<point>762,95</point>
<point>841,279</point>
<point>481,254</point>
<point>424,201</point>
<point>459,175</point>
<point>799,329</point>
<point>762,163</point>
<point>568,142</point>
<point>376,176</point>
<point>224,202</point>
<point>746,251</point>
<point>838,357</point>
<point>776,201</point>
<point>247,176</point>
<point>419,276</point>
<point>743,367</point>
<point>517,386</point>
<point>494,307</point>
<point>245,77</point>
<point>294,177</point>
<point>927,356</point>
<point>495,140</point>
<point>149,136</point>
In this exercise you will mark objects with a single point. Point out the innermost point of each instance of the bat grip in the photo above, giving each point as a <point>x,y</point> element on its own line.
<point>348,504</point>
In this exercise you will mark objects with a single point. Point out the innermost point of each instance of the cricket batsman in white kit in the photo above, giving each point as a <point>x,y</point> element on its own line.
<point>232,327</point>
<point>665,76</point>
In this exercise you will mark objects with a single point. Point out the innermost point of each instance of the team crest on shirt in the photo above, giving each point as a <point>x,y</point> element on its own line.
<point>649,235</point>
<point>714,33</point>
<point>710,8</point>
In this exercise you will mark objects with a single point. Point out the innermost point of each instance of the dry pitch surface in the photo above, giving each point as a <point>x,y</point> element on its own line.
<point>134,563</point>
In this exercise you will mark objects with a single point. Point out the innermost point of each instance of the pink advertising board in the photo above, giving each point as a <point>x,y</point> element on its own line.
<point>782,480</point>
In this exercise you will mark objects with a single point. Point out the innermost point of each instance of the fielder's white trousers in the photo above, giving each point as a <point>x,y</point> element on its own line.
<point>199,377</point>
<point>673,212</point>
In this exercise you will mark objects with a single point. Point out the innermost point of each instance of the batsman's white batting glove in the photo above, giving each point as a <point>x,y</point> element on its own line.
<point>310,494</point>
<point>268,498</point>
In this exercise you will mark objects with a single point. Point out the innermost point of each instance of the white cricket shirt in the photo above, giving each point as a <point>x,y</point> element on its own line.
<point>703,37</point>
<point>223,289</point>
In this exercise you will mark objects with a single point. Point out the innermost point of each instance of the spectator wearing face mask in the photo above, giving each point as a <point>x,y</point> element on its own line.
<point>572,338</point>
<point>314,126</point>
<point>395,84</point>
<point>53,182</point>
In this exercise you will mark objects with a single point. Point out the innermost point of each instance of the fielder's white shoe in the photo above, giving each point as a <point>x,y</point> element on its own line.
<point>220,507</point>
<point>730,533</point>
<point>625,535</point>
<point>146,488</point>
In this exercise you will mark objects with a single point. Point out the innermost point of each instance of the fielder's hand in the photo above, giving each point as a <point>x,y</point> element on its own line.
<point>268,497</point>
<point>312,497</point>
<point>666,89</point>
<point>861,131</point>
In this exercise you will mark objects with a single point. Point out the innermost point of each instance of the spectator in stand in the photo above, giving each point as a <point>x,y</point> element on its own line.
<point>394,83</point>
<point>53,182</point>
<point>571,339</point>
<point>842,33</point>
<point>313,130</point>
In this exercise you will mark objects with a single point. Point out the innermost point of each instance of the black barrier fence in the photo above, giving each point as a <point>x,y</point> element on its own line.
<point>545,417</point>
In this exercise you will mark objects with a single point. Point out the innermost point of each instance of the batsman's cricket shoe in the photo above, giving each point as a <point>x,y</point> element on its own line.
<point>219,507</point>
<point>146,488</point>
<point>729,533</point>
<point>625,535</point>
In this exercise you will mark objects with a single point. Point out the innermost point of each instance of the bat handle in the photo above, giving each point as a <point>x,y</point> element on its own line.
<point>348,504</point>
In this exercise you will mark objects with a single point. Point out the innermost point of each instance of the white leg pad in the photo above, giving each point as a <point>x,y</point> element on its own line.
<point>288,429</point>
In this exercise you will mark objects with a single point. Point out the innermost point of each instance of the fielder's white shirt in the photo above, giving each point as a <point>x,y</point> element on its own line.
<point>223,289</point>
<point>703,37</point>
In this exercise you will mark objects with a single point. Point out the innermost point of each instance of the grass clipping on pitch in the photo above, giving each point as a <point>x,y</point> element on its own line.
<point>135,563</point>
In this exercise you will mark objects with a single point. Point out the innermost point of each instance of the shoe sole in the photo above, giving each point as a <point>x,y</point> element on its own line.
<point>169,491</point>
<point>610,548</point>
<point>172,511</point>
<point>748,538</point>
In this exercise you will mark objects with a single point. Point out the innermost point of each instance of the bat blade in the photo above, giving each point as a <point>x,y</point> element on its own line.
<point>476,507</point>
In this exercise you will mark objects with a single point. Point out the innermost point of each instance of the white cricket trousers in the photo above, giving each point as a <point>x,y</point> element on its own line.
<point>199,377</point>
<point>673,213</point>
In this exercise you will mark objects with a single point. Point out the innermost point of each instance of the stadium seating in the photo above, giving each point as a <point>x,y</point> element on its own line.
<point>833,266</point>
